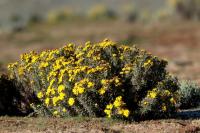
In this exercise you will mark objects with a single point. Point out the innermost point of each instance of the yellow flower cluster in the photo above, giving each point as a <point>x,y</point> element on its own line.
<point>81,79</point>
<point>148,63</point>
<point>106,43</point>
<point>106,82</point>
<point>118,104</point>
<point>152,94</point>
<point>63,70</point>
<point>40,95</point>
<point>71,101</point>
<point>127,69</point>
<point>79,87</point>
<point>160,97</point>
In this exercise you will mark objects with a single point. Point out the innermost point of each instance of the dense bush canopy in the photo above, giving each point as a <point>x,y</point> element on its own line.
<point>97,80</point>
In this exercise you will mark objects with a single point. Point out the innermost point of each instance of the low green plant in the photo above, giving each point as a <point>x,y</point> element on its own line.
<point>189,95</point>
<point>97,80</point>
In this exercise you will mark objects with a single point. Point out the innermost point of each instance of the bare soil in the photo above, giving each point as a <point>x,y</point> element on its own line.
<point>85,125</point>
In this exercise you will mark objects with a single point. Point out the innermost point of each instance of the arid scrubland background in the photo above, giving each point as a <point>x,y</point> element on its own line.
<point>163,27</point>
<point>153,25</point>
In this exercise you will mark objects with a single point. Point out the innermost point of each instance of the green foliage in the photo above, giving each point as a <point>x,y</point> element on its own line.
<point>96,80</point>
<point>60,15</point>
<point>101,12</point>
<point>189,95</point>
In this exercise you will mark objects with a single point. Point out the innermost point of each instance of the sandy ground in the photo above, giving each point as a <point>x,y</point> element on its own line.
<point>85,125</point>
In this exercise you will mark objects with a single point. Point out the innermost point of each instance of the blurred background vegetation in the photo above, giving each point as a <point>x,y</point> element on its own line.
<point>167,28</point>
<point>15,15</point>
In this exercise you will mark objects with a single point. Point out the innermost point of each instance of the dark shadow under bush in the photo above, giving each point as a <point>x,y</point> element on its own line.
<point>12,101</point>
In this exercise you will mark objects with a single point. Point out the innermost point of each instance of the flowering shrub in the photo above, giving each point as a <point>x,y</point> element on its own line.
<point>102,79</point>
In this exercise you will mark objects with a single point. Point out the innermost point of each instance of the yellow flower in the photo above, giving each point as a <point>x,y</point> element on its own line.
<point>106,43</point>
<point>104,81</point>
<point>48,91</point>
<point>71,101</point>
<point>79,55</point>
<point>167,92</point>
<point>155,89</point>
<point>40,95</point>
<point>108,112</point>
<point>51,83</point>
<point>148,63</point>
<point>127,72</point>
<point>43,65</point>
<point>53,91</point>
<point>21,71</point>
<point>127,69</point>
<point>55,100</point>
<point>172,100</point>
<point>116,80</point>
<point>55,113</point>
<point>145,102</point>
<point>119,98</point>
<point>61,96</point>
<point>102,90</point>
<point>121,57</point>
<point>126,113</point>
<point>120,111</point>
<point>164,108</point>
<point>34,59</point>
<point>109,106</point>
<point>64,110</point>
<point>118,101</point>
<point>90,84</point>
<point>81,90</point>
<point>75,91</point>
<point>60,79</point>
<point>70,45</point>
<point>152,94</point>
<point>61,88</point>
<point>47,100</point>
<point>114,55</point>
<point>78,88</point>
